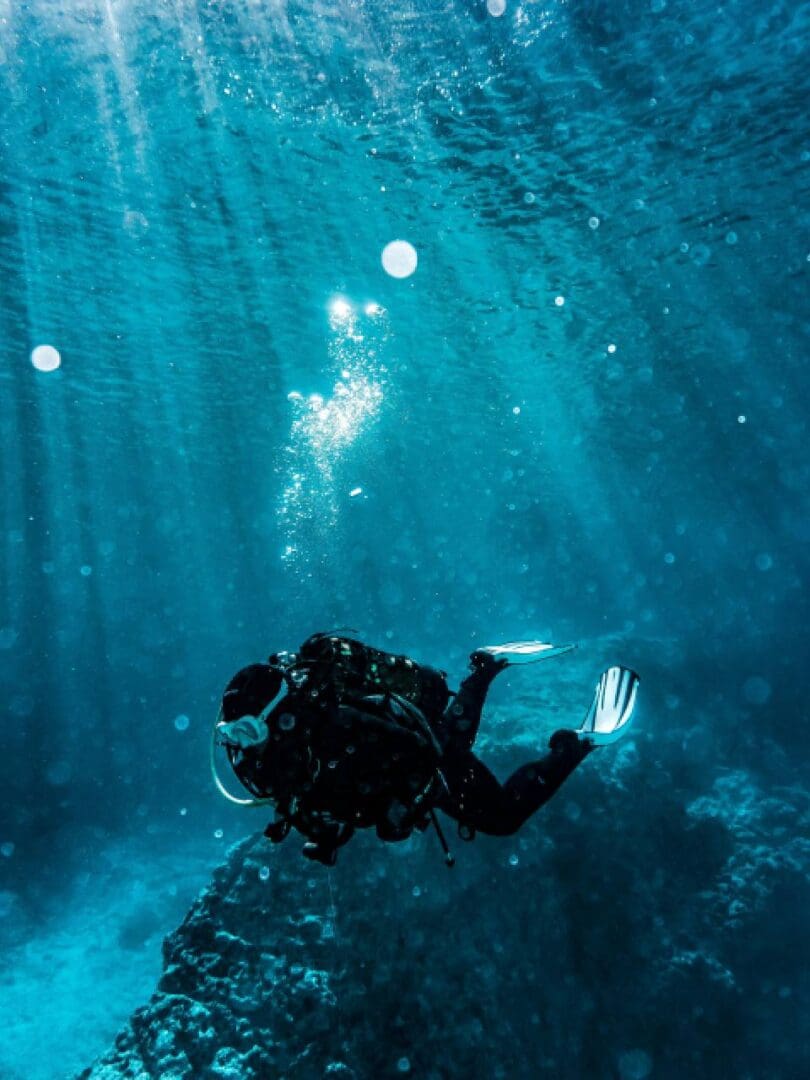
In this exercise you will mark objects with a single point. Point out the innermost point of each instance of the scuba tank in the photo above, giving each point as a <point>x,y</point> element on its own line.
<point>357,670</point>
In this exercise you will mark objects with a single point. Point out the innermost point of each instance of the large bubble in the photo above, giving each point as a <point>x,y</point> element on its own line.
<point>399,258</point>
<point>45,358</point>
<point>635,1065</point>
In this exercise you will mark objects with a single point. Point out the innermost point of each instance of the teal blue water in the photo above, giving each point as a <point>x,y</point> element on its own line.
<point>583,414</point>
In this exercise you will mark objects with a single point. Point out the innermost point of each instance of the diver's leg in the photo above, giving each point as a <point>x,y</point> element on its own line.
<point>476,799</point>
<point>462,717</point>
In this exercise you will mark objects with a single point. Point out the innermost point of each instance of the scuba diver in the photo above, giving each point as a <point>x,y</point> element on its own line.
<point>341,736</point>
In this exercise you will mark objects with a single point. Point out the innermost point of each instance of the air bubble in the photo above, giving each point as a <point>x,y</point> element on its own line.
<point>756,690</point>
<point>399,259</point>
<point>593,222</point>
<point>181,722</point>
<point>59,774</point>
<point>635,1064</point>
<point>559,301</point>
<point>45,358</point>
<point>496,8</point>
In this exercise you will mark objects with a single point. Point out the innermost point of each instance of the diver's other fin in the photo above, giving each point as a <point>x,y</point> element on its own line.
<point>611,710</point>
<point>524,652</point>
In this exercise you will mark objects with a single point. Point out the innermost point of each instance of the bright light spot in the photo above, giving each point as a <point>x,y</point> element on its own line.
<point>399,259</point>
<point>340,309</point>
<point>611,348</point>
<point>496,8</point>
<point>295,396</point>
<point>593,222</point>
<point>372,309</point>
<point>355,491</point>
<point>45,358</point>
<point>559,300</point>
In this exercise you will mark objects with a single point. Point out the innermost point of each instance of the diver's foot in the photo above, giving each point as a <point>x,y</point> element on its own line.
<point>327,856</point>
<point>520,652</point>
<point>483,660</point>
<point>569,744</point>
<point>611,710</point>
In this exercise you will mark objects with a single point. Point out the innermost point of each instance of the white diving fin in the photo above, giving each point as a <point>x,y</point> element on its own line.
<point>611,710</point>
<point>524,652</point>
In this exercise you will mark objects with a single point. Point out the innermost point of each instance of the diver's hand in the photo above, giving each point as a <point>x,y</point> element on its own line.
<point>318,853</point>
<point>277,830</point>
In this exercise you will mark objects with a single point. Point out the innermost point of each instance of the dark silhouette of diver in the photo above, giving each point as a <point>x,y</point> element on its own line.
<point>341,736</point>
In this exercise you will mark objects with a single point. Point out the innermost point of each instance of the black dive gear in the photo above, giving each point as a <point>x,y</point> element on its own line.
<point>348,745</point>
<point>360,738</point>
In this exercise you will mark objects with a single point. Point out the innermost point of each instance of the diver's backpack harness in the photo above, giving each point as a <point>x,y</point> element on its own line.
<point>334,670</point>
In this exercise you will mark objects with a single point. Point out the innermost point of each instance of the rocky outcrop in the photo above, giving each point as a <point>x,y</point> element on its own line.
<point>637,927</point>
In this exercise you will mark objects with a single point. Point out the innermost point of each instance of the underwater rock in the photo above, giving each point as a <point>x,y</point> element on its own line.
<point>569,950</point>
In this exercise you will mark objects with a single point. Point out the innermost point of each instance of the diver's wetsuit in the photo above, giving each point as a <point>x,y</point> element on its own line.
<point>342,756</point>
<point>475,798</point>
